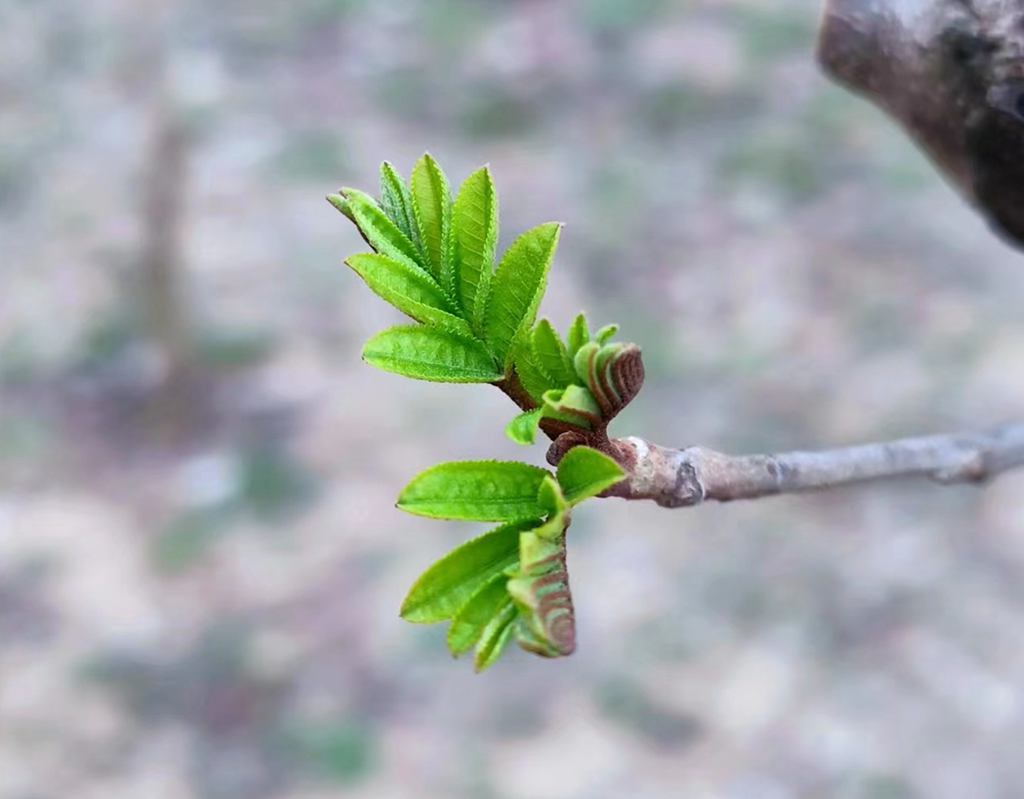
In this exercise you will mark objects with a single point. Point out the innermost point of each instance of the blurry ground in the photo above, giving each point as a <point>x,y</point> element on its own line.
<point>207,607</point>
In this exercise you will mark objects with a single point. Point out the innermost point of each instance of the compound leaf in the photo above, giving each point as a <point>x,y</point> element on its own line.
<point>430,353</point>
<point>432,204</point>
<point>411,290</point>
<point>475,235</point>
<point>443,589</point>
<point>476,613</point>
<point>584,472</point>
<point>518,286</point>
<point>488,491</point>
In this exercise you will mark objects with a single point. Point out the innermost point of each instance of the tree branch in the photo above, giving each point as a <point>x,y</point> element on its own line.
<point>681,477</point>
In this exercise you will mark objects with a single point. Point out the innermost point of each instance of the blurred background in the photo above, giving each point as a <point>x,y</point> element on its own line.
<point>200,561</point>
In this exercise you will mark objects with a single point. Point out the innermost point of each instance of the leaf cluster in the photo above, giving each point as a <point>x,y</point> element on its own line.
<point>579,384</point>
<point>512,582</point>
<point>434,259</point>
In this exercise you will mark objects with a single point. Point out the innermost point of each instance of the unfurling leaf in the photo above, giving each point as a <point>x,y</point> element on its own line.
<point>410,289</point>
<point>427,353</point>
<point>342,205</point>
<point>605,334</point>
<point>476,613</point>
<point>579,334</point>
<point>447,585</point>
<point>518,286</point>
<point>530,375</point>
<point>584,472</point>
<point>475,235</point>
<point>552,356</point>
<point>540,590</point>
<point>396,200</point>
<point>382,234</point>
<point>498,491</point>
<point>573,405</point>
<point>523,429</point>
<point>434,261</point>
<point>495,636</point>
<point>556,508</point>
<point>433,210</point>
<point>614,374</point>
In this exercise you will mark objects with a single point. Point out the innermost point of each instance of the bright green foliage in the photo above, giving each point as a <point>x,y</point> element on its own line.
<point>382,233</point>
<point>432,204</point>
<point>533,379</point>
<point>476,612</point>
<point>579,334</point>
<point>518,286</point>
<point>427,353</point>
<point>585,472</point>
<point>496,636</point>
<point>475,224</point>
<point>489,491</point>
<point>410,290</point>
<point>552,356</point>
<point>443,588</point>
<point>606,333</point>
<point>434,260</point>
<point>523,428</point>
<point>512,581</point>
<point>435,263</point>
<point>396,200</point>
<point>342,205</point>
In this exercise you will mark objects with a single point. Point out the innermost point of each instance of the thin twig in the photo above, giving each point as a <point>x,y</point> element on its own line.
<point>680,477</point>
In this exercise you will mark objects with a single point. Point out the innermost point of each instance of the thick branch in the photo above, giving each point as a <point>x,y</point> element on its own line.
<point>680,477</point>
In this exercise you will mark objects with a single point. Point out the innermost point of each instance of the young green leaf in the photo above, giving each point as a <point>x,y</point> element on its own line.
<point>383,235</point>
<point>428,353</point>
<point>556,508</point>
<point>342,205</point>
<point>585,472</point>
<point>448,584</point>
<point>552,357</point>
<point>530,375</point>
<point>432,204</point>
<point>518,286</point>
<point>476,613</point>
<point>396,200</point>
<point>579,334</point>
<point>475,234</point>
<point>540,554</point>
<point>604,335</point>
<point>523,429</point>
<point>574,405</point>
<point>540,589</point>
<point>411,290</point>
<point>551,498</point>
<point>488,491</point>
<point>585,362</point>
<point>495,636</point>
